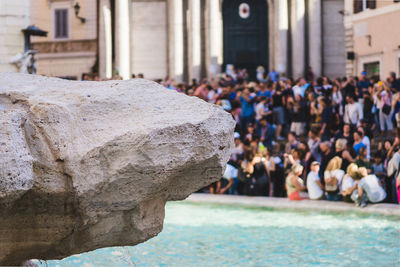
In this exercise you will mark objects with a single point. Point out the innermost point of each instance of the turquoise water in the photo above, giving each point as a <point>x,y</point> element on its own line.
<point>211,235</point>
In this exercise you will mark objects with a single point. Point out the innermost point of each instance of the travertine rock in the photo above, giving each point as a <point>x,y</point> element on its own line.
<point>86,165</point>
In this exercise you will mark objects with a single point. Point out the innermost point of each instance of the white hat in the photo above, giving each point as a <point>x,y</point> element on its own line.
<point>236,135</point>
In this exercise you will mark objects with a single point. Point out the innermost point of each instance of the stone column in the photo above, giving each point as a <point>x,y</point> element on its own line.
<point>105,40</point>
<point>195,39</point>
<point>281,32</point>
<point>298,45</point>
<point>176,19</point>
<point>315,36</point>
<point>123,35</point>
<point>214,38</point>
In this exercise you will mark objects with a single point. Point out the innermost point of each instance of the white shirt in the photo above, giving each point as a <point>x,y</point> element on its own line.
<point>353,113</point>
<point>314,191</point>
<point>230,172</point>
<point>370,185</point>
<point>338,174</point>
<point>366,142</point>
<point>259,108</point>
<point>347,183</point>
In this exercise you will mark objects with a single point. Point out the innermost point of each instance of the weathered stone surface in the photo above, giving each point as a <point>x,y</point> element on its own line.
<point>86,165</point>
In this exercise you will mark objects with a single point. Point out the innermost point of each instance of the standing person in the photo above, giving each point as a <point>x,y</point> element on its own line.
<point>202,91</point>
<point>337,99</point>
<point>346,134</point>
<point>353,112</point>
<point>358,144</point>
<point>385,108</point>
<point>326,155</point>
<point>313,144</point>
<point>365,140</point>
<point>394,83</point>
<point>314,185</point>
<point>326,119</point>
<point>294,184</point>
<point>273,75</point>
<point>342,152</point>
<point>362,85</point>
<point>247,107</point>
<point>278,102</point>
<point>393,172</point>
<point>298,115</point>
<point>266,132</point>
<point>333,176</point>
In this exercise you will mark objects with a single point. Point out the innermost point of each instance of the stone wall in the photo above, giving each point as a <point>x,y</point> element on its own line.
<point>14,16</point>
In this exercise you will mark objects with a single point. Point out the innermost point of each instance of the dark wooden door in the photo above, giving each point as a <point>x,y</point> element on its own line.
<point>245,24</point>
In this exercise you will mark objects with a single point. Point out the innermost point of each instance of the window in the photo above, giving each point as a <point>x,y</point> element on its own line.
<point>361,5</point>
<point>61,23</point>
<point>372,69</point>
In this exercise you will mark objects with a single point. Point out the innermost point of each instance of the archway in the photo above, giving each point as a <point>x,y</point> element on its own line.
<point>245,31</point>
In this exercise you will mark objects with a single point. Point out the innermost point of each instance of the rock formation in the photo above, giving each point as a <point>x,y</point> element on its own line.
<point>86,165</point>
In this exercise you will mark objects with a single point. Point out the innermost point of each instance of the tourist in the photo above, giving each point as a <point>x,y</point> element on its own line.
<point>350,183</point>
<point>230,175</point>
<point>384,96</point>
<point>297,112</point>
<point>313,144</point>
<point>358,144</point>
<point>342,151</point>
<point>333,176</point>
<point>278,102</point>
<point>362,160</point>
<point>369,189</point>
<point>314,185</point>
<point>353,112</point>
<point>247,102</point>
<point>294,184</point>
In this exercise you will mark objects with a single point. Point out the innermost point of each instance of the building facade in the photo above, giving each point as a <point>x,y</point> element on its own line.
<point>189,39</point>
<point>14,16</point>
<point>372,37</point>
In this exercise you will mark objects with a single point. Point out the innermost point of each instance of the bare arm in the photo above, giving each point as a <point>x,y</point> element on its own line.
<point>230,183</point>
<point>320,184</point>
<point>346,155</point>
<point>298,186</point>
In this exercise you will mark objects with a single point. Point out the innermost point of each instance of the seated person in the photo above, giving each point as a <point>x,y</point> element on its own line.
<point>333,176</point>
<point>350,182</point>
<point>369,189</point>
<point>314,186</point>
<point>294,184</point>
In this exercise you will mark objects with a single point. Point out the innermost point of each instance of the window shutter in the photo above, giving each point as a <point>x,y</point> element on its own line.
<point>61,23</point>
<point>371,4</point>
<point>357,6</point>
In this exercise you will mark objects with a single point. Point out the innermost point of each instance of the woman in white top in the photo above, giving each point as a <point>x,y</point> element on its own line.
<point>333,176</point>
<point>350,182</point>
<point>337,99</point>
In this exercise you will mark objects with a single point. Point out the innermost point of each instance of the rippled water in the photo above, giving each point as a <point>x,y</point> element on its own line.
<point>211,235</point>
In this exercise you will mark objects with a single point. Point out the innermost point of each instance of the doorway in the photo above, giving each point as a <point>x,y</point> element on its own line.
<point>245,33</point>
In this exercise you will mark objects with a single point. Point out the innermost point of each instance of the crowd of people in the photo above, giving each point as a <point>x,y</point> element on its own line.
<point>308,138</point>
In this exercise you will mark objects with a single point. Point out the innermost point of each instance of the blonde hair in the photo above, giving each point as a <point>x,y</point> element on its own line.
<point>362,170</point>
<point>334,164</point>
<point>341,144</point>
<point>352,170</point>
<point>296,168</point>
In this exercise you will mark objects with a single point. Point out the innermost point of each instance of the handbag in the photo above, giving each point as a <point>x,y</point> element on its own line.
<point>386,109</point>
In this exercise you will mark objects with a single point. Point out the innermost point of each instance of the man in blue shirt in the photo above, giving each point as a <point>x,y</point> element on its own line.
<point>358,144</point>
<point>247,107</point>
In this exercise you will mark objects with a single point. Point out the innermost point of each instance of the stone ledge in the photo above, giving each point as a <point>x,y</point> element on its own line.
<point>306,205</point>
